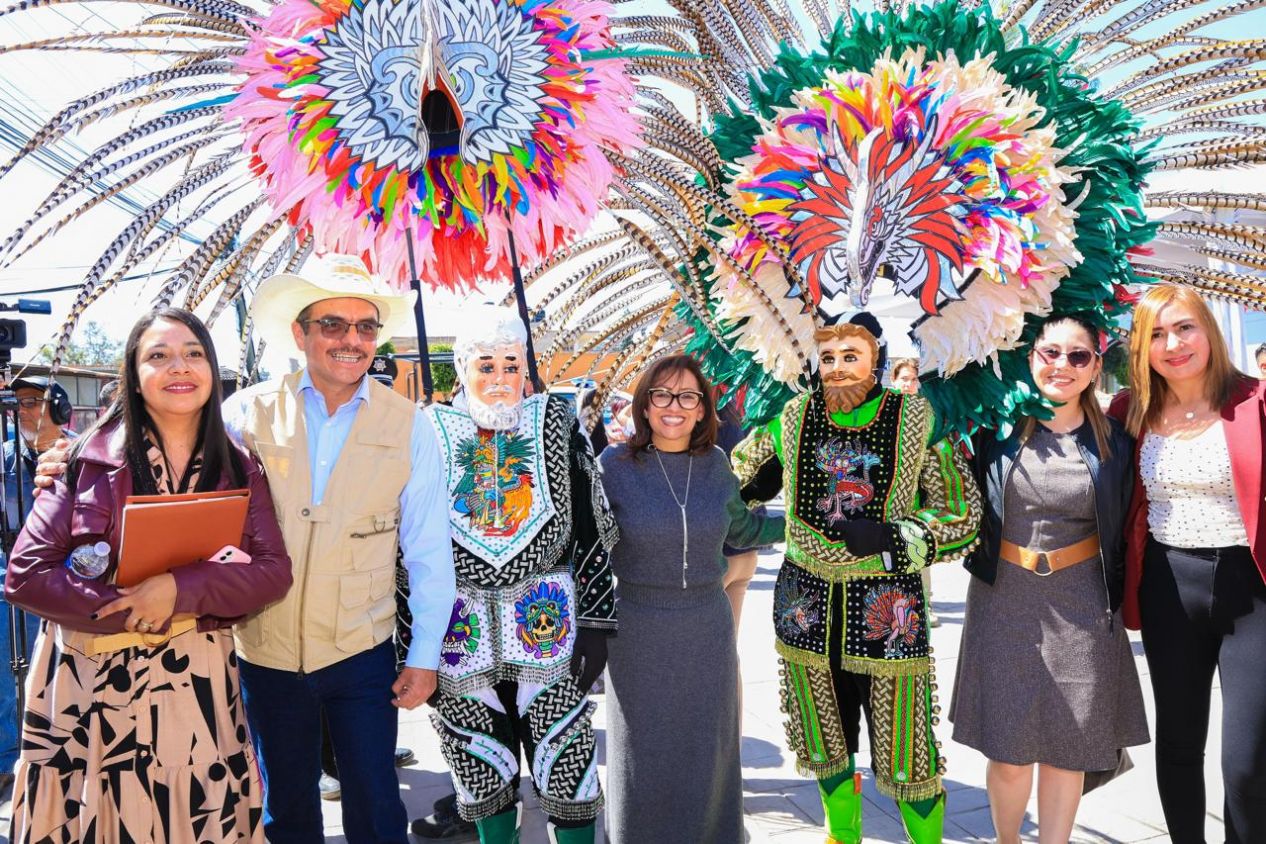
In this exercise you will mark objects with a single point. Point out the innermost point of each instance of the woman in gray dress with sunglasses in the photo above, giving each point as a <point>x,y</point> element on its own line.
<point>1046,677</point>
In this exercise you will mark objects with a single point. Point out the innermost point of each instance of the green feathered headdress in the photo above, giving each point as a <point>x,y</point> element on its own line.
<point>959,183</point>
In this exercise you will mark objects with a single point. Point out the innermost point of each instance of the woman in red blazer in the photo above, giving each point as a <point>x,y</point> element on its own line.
<point>1195,580</point>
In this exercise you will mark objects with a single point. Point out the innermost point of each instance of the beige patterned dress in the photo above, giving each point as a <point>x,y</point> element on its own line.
<point>144,744</point>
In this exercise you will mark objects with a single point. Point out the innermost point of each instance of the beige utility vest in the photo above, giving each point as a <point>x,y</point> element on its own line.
<point>344,550</point>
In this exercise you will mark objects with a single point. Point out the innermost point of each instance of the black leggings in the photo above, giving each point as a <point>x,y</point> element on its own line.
<point>852,690</point>
<point>1204,609</point>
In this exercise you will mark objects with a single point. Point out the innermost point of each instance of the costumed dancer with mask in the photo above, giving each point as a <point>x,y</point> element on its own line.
<point>532,534</point>
<point>871,499</point>
<point>957,201</point>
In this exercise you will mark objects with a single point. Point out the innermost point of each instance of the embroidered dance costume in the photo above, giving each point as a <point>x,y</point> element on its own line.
<point>532,534</point>
<point>851,631</point>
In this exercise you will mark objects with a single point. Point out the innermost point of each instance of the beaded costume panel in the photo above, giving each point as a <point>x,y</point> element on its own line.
<point>883,470</point>
<point>509,492</point>
<point>832,474</point>
<point>532,533</point>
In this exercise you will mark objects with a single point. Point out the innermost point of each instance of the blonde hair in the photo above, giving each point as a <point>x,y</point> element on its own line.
<point>1088,401</point>
<point>1148,390</point>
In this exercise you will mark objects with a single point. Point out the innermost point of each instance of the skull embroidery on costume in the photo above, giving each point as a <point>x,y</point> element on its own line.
<point>544,619</point>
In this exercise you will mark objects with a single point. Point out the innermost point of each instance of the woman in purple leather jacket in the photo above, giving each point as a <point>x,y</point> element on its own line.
<point>134,729</point>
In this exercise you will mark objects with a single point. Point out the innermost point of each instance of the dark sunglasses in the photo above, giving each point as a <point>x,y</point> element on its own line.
<point>686,400</point>
<point>1078,358</point>
<point>335,328</point>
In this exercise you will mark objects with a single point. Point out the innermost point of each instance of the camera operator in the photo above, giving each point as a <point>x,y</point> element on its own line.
<point>41,423</point>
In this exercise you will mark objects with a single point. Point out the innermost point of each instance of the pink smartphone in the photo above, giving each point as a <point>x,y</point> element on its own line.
<point>231,554</point>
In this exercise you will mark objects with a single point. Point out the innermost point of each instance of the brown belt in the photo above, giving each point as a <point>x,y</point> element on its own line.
<point>110,642</point>
<point>1061,558</point>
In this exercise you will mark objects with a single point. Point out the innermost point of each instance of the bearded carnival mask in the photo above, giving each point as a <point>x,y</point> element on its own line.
<point>491,360</point>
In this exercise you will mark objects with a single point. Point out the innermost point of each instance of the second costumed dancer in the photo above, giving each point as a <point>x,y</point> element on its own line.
<point>871,499</point>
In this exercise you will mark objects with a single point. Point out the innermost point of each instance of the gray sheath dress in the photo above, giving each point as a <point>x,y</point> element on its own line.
<point>674,775</point>
<point>1044,673</point>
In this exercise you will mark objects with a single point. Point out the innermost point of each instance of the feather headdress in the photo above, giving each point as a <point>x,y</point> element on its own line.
<point>960,170</point>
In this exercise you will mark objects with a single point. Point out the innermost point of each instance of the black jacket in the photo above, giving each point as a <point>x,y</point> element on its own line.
<point>1113,483</point>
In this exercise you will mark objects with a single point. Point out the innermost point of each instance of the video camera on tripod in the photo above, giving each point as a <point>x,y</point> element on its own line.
<point>13,336</point>
<point>13,331</point>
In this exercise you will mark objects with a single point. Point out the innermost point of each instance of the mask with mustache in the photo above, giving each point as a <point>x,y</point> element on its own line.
<point>847,354</point>
<point>844,393</point>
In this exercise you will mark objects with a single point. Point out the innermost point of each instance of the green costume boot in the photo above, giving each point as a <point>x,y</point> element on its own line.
<point>924,821</point>
<point>842,802</point>
<point>501,828</point>
<point>570,835</point>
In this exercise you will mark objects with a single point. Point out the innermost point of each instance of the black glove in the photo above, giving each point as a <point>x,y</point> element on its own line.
<point>588,657</point>
<point>865,537</point>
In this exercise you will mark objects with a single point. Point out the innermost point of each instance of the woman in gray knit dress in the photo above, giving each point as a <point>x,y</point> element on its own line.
<point>674,775</point>
<point>1046,677</point>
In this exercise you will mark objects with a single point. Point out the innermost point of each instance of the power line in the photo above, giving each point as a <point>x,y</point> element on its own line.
<point>63,288</point>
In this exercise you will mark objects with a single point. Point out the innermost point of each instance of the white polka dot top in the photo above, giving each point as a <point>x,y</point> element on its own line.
<point>1190,493</point>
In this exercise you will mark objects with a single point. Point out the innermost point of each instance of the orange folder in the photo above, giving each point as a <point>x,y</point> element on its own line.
<point>162,532</point>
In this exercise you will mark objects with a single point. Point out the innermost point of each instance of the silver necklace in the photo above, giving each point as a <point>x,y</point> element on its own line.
<point>1189,415</point>
<point>681,505</point>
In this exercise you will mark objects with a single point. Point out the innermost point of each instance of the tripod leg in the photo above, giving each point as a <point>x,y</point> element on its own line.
<point>18,662</point>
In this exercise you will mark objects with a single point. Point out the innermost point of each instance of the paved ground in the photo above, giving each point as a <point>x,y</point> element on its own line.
<point>783,807</point>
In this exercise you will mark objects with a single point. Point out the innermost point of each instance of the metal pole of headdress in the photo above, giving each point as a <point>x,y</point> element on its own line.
<point>419,317</point>
<point>247,364</point>
<point>520,296</point>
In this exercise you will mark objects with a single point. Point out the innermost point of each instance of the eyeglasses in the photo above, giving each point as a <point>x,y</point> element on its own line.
<point>29,402</point>
<point>686,399</point>
<point>1078,358</point>
<point>335,328</point>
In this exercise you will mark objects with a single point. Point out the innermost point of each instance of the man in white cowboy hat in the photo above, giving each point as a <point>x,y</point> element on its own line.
<point>354,470</point>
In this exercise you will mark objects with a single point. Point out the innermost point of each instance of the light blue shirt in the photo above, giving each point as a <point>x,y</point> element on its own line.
<point>424,536</point>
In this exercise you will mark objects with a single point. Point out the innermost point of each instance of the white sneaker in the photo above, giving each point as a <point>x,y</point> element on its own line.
<point>330,788</point>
